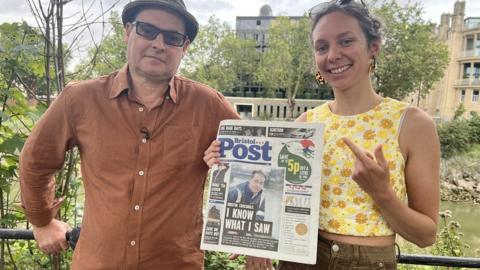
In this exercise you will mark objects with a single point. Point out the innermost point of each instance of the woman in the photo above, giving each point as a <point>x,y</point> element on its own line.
<point>381,157</point>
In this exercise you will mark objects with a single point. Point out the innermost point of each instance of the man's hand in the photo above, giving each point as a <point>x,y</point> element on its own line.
<point>212,154</point>
<point>51,237</point>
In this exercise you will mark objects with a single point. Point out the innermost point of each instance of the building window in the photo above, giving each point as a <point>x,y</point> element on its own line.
<point>259,22</point>
<point>462,95</point>
<point>466,70</point>
<point>476,71</point>
<point>475,96</point>
<point>469,45</point>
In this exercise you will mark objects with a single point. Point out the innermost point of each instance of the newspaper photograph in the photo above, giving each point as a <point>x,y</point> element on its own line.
<point>263,198</point>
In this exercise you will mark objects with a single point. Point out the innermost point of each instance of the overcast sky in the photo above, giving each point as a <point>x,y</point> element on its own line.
<point>225,10</point>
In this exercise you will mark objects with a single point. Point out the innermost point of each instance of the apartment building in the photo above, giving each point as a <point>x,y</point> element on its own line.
<point>461,81</point>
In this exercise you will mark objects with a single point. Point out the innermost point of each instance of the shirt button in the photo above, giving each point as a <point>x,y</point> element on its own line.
<point>380,264</point>
<point>137,207</point>
<point>141,173</point>
<point>132,243</point>
<point>144,140</point>
<point>335,248</point>
<point>140,109</point>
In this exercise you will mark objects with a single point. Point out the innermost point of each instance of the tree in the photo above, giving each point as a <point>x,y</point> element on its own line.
<point>220,59</point>
<point>411,59</point>
<point>21,77</point>
<point>109,55</point>
<point>287,64</point>
<point>21,62</point>
<point>32,71</point>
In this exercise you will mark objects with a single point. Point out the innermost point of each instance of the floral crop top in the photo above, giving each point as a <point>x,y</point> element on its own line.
<point>345,208</point>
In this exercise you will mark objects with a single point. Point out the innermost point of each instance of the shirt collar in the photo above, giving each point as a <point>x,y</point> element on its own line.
<point>121,83</point>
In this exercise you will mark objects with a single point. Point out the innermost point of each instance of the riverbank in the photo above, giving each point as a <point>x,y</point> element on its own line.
<point>460,179</point>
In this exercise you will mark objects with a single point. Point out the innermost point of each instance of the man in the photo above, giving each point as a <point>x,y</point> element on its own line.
<point>218,176</point>
<point>251,192</point>
<point>141,133</point>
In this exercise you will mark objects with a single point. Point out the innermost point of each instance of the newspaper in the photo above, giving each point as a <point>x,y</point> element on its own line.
<point>263,199</point>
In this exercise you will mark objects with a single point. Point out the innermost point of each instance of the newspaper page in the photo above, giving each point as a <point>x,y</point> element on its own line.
<point>263,198</point>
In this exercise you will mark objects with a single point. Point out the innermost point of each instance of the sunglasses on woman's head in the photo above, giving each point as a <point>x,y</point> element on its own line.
<point>150,32</point>
<point>324,5</point>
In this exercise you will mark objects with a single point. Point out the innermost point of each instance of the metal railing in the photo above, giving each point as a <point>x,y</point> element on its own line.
<point>402,258</point>
<point>11,234</point>
<point>439,261</point>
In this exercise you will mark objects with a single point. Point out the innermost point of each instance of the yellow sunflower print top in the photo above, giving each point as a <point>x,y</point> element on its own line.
<point>344,207</point>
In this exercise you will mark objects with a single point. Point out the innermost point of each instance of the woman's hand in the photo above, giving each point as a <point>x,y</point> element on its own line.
<point>212,154</point>
<point>371,174</point>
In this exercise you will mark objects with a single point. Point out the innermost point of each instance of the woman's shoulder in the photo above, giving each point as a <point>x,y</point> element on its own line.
<point>416,116</point>
<point>400,105</point>
<point>418,126</point>
<point>311,114</point>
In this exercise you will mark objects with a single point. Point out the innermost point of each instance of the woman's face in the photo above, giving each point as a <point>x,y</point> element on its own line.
<point>341,51</point>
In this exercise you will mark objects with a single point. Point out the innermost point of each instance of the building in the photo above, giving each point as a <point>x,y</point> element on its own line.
<point>256,27</point>
<point>461,81</point>
<point>251,105</point>
<point>270,108</point>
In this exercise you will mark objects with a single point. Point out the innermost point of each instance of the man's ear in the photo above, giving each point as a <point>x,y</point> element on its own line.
<point>185,46</point>
<point>128,30</point>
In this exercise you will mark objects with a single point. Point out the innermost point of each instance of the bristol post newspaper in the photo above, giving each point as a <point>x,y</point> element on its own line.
<point>263,198</point>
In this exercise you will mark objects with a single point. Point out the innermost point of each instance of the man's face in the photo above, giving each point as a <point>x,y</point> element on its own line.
<point>256,183</point>
<point>153,60</point>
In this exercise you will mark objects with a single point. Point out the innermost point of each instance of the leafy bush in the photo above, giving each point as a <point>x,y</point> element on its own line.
<point>220,261</point>
<point>455,136</point>
<point>458,135</point>
<point>474,123</point>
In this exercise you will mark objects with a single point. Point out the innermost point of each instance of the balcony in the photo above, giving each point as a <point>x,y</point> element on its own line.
<point>470,53</point>
<point>472,23</point>
<point>468,82</point>
<point>472,26</point>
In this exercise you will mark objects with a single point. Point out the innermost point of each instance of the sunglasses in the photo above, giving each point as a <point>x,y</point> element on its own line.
<point>151,32</point>
<point>324,5</point>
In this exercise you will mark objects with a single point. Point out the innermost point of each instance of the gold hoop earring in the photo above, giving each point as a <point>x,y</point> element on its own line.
<point>320,78</point>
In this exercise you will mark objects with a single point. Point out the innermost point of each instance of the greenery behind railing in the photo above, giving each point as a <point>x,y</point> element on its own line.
<point>32,72</point>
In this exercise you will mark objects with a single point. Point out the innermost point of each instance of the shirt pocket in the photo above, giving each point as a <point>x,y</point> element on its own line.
<point>180,145</point>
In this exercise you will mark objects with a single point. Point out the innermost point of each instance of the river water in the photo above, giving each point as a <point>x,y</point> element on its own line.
<point>468,215</point>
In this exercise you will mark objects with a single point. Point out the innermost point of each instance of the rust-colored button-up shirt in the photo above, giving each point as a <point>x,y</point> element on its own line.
<point>142,170</point>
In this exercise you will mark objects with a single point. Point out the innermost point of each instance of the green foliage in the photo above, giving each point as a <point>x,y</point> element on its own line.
<point>449,239</point>
<point>474,123</point>
<point>458,136</point>
<point>108,56</point>
<point>218,58</point>
<point>21,59</point>
<point>455,136</point>
<point>459,111</point>
<point>18,114</point>
<point>411,59</point>
<point>22,82</point>
<point>220,261</point>
<point>449,243</point>
<point>288,63</point>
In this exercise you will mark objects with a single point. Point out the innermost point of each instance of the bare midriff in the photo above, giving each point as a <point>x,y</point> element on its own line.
<point>359,240</point>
